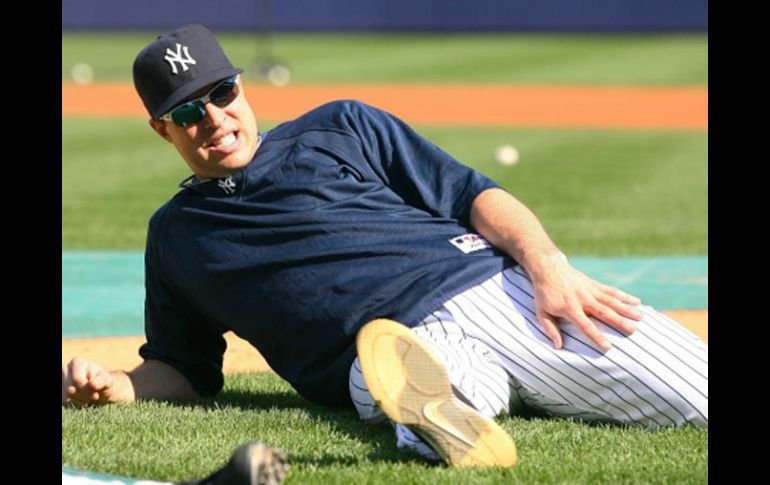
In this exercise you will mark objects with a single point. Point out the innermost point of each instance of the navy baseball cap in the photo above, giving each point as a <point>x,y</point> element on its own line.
<point>178,64</point>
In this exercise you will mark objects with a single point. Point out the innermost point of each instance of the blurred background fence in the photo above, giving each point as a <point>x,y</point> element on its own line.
<point>392,15</point>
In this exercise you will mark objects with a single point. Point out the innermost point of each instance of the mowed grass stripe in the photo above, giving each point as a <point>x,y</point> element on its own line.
<point>608,59</point>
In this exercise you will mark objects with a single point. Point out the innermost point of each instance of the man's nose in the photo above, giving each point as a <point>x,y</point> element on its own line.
<point>215,115</point>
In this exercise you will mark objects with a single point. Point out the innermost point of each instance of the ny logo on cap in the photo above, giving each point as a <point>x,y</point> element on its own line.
<point>173,57</point>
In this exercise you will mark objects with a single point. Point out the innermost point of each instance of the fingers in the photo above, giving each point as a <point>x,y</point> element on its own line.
<point>78,372</point>
<point>588,327</point>
<point>610,316</point>
<point>573,311</point>
<point>612,307</point>
<point>615,314</point>
<point>551,328</point>
<point>578,317</point>
<point>83,382</point>
<point>574,296</point>
<point>619,307</point>
<point>610,312</point>
<point>99,379</point>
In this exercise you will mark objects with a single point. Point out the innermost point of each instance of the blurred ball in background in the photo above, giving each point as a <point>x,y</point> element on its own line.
<point>275,73</point>
<point>507,155</point>
<point>82,73</point>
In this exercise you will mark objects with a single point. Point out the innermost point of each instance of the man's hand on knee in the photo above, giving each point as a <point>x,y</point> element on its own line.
<point>562,291</point>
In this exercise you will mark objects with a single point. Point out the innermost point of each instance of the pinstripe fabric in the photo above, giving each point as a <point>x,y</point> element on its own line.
<point>499,358</point>
<point>362,400</point>
<point>656,377</point>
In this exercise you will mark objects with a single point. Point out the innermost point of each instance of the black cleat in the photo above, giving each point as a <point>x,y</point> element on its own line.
<point>253,463</point>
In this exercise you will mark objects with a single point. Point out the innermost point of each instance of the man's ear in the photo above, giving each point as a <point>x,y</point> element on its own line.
<point>160,128</point>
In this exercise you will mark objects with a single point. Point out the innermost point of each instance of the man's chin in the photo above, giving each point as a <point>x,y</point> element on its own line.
<point>230,165</point>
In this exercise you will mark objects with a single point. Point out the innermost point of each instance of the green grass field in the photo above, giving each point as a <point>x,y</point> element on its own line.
<point>606,193</point>
<point>327,446</point>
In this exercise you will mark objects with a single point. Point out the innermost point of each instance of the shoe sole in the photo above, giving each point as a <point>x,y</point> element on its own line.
<point>412,388</point>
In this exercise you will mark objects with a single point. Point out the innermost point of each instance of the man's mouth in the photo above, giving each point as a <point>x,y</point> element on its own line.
<point>226,140</point>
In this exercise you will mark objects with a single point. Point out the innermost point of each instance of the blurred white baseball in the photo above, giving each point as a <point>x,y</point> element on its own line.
<point>506,155</point>
<point>279,75</point>
<point>82,73</point>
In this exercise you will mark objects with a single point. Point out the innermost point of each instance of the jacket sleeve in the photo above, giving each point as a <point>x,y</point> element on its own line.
<point>176,334</point>
<point>420,172</point>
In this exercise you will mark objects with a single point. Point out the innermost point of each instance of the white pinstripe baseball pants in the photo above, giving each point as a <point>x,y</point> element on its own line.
<point>499,358</point>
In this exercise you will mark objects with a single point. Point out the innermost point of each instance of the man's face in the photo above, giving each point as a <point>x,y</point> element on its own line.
<point>221,143</point>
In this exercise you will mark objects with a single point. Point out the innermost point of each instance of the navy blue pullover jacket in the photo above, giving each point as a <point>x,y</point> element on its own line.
<point>344,215</point>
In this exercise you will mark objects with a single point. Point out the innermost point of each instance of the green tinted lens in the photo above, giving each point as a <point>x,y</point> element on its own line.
<point>225,93</point>
<point>188,113</point>
<point>194,111</point>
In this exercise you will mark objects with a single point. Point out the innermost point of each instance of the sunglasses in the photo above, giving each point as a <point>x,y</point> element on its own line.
<point>193,111</point>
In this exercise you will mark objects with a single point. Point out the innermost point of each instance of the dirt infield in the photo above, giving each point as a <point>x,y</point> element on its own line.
<point>637,108</point>
<point>121,352</point>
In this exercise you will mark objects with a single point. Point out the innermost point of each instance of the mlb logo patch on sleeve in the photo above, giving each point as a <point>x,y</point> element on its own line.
<point>469,243</point>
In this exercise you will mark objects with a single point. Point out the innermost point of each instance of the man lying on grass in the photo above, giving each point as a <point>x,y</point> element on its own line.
<point>372,269</point>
